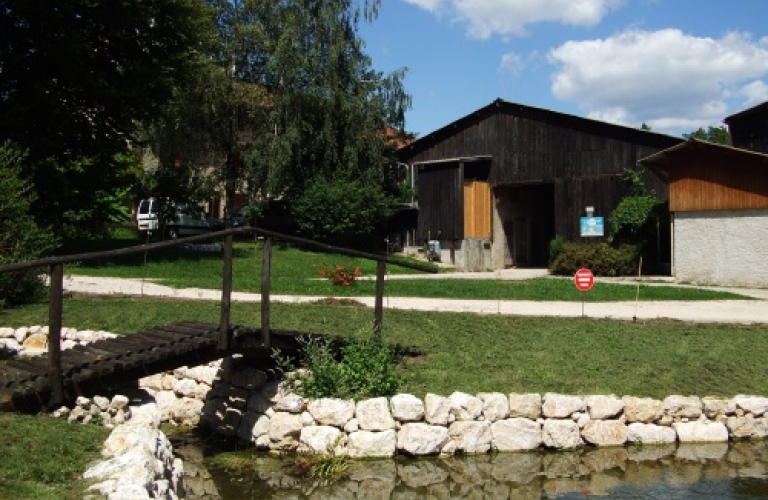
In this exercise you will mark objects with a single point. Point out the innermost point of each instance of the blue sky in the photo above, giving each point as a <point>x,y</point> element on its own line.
<point>675,65</point>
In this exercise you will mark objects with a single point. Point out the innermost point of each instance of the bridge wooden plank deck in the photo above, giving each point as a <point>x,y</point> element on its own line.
<point>124,359</point>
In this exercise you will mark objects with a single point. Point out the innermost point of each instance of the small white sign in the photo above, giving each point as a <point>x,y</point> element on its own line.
<point>592,226</point>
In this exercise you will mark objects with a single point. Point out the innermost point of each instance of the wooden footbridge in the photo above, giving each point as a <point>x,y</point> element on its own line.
<point>62,375</point>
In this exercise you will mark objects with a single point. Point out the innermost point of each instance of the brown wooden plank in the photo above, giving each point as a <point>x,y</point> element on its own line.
<point>36,368</point>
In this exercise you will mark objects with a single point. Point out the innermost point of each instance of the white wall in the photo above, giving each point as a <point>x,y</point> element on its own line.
<point>722,247</point>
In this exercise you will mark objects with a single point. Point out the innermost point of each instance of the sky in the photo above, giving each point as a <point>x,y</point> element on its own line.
<point>675,65</point>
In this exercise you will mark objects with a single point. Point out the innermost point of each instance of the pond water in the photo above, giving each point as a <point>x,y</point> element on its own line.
<point>686,472</point>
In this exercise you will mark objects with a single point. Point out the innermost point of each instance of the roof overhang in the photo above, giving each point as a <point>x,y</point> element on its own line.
<point>694,150</point>
<point>458,159</point>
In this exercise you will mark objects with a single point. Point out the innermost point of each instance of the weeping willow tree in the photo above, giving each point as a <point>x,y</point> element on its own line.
<point>286,98</point>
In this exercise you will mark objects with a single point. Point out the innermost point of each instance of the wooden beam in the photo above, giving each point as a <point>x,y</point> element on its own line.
<point>55,296</point>
<point>226,296</point>
<point>379,306</point>
<point>266,262</point>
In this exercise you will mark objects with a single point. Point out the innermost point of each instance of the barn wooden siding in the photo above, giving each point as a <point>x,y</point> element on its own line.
<point>584,159</point>
<point>705,177</point>
<point>441,214</point>
<point>749,128</point>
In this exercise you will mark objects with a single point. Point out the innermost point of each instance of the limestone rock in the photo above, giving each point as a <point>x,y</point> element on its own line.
<point>250,379</point>
<point>407,408</point>
<point>332,411</point>
<point>6,332</point>
<point>495,405</point>
<point>367,444</point>
<point>604,407</point>
<point>285,430</point>
<point>258,403</point>
<point>755,405</point>
<point>470,436</point>
<point>36,341</point>
<point>516,434</point>
<point>437,409</point>
<point>643,410</point>
<point>525,406</point>
<point>186,411</point>
<point>465,406</point>
<point>605,433</point>
<point>561,434</point>
<point>373,415</point>
<point>650,434</point>
<point>421,439</point>
<point>701,432</point>
<point>712,407</point>
<point>682,406</point>
<point>186,388</point>
<point>742,427</point>
<point>292,403</point>
<point>320,439</point>
<point>561,406</point>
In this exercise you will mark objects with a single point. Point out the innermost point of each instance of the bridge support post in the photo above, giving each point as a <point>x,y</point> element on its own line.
<point>378,313</point>
<point>266,271</point>
<point>55,295</point>
<point>226,296</point>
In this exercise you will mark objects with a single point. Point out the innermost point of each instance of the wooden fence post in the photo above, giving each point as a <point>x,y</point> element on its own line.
<point>55,295</point>
<point>266,262</point>
<point>378,313</point>
<point>226,296</point>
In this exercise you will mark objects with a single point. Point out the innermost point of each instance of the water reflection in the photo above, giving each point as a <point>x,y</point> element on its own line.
<point>735,471</point>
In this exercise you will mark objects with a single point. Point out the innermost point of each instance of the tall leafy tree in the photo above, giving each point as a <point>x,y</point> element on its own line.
<point>76,76</point>
<point>296,99</point>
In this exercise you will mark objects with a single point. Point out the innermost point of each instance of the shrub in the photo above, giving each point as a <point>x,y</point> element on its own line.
<point>364,367</point>
<point>601,258</point>
<point>341,274</point>
<point>20,237</point>
<point>342,212</point>
<point>556,247</point>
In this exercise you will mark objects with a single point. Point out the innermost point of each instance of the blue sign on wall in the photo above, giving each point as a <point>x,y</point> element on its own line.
<point>592,226</point>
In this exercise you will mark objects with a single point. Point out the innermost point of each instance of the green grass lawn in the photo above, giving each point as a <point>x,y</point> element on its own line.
<point>297,272</point>
<point>43,458</point>
<point>476,353</point>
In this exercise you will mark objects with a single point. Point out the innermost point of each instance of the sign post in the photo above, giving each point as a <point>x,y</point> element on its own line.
<point>584,280</point>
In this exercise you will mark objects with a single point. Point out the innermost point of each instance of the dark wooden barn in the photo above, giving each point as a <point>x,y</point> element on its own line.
<point>749,128</point>
<point>495,186</point>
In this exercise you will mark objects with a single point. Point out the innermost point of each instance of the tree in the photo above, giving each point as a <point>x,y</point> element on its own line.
<point>296,98</point>
<point>717,135</point>
<point>76,77</point>
<point>20,237</point>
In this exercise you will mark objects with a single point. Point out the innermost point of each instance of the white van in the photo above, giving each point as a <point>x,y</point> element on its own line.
<point>187,220</point>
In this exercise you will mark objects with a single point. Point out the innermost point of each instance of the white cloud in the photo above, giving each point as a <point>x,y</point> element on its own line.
<point>755,92</point>
<point>506,18</point>
<point>667,79</point>
<point>512,64</point>
<point>430,5</point>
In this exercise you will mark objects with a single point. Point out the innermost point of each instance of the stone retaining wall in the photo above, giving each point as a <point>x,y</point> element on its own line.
<point>138,461</point>
<point>237,400</point>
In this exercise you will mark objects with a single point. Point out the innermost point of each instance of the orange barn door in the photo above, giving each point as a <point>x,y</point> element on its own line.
<point>477,209</point>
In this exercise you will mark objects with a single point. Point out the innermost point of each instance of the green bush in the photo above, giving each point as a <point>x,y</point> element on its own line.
<point>601,258</point>
<point>20,237</point>
<point>364,367</point>
<point>342,211</point>
<point>556,247</point>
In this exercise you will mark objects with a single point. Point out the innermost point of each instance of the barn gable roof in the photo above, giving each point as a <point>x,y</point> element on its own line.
<point>566,120</point>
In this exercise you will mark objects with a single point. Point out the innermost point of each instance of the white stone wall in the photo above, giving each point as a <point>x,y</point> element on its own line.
<point>722,247</point>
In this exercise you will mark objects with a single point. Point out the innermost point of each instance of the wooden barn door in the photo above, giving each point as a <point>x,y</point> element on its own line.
<point>477,209</point>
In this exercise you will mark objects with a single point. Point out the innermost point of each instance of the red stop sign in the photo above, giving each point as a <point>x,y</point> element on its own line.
<point>584,279</point>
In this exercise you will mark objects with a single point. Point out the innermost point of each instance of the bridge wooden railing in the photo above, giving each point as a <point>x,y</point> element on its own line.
<point>56,285</point>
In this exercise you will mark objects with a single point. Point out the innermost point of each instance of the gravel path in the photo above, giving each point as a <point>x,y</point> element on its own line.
<point>721,311</point>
